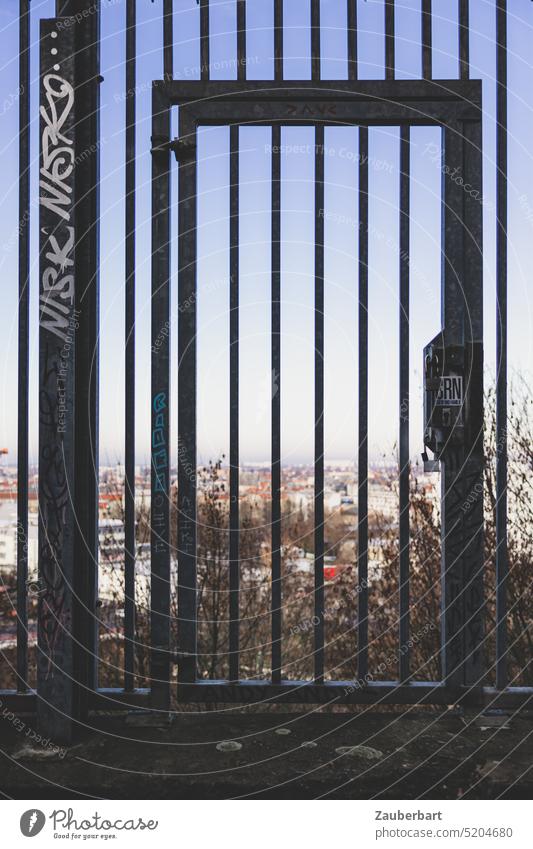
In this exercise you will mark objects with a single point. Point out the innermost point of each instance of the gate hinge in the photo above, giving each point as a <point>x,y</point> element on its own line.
<point>183,149</point>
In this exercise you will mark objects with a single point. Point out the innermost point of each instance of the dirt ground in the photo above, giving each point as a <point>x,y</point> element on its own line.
<point>414,755</point>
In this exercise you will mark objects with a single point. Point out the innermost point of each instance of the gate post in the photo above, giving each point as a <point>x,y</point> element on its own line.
<point>474,600</point>
<point>57,358</point>
<point>462,460</point>
<point>87,57</point>
<point>68,367</point>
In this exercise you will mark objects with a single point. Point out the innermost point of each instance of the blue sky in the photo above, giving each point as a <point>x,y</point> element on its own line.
<point>297,225</point>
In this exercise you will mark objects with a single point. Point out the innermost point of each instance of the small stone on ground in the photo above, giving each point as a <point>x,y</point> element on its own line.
<point>365,752</point>
<point>229,746</point>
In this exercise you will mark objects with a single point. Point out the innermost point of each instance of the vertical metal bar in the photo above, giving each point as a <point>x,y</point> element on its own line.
<point>129,463</point>
<point>23,344</point>
<point>204,40</point>
<point>502,567</point>
<point>168,39</point>
<point>462,456</point>
<point>389,40</point>
<point>187,285</point>
<point>474,557</point>
<point>319,404</point>
<point>315,39</point>
<point>352,39</point>
<point>427,40</point>
<point>404,399</point>
<point>234,409</point>
<point>276,404</point>
<point>278,40</point>
<point>86,438</point>
<point>56,705</point>
<point>241,40</point>
<point>362,497</point>
<point>464,40</point>
<point>160,405</point>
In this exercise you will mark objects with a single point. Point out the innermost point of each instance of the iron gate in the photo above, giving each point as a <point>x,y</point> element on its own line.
<point>457,111</point>
<point>67,587</point>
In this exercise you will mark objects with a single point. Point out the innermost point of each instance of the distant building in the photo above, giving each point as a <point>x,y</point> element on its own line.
<point>8,540</point>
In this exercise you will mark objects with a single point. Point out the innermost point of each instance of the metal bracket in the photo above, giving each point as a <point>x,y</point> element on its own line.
<point>430,465</point>
<point>184,149</point>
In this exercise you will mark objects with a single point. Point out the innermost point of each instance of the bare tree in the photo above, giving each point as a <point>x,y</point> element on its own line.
<point>342,588</point>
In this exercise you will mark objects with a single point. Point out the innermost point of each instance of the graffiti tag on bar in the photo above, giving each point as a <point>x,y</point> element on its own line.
<point>159,446</point>
<point>57,167</point>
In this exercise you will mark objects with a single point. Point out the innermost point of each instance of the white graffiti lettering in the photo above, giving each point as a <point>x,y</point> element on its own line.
<point>57,167</point>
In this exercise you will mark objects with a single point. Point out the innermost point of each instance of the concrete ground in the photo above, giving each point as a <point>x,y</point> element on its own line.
<point>415,755</point>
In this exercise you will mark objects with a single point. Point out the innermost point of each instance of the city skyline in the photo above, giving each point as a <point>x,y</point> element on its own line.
<point>341,230</point>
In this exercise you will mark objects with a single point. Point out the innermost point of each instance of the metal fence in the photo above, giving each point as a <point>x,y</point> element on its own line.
<point>68,478</point>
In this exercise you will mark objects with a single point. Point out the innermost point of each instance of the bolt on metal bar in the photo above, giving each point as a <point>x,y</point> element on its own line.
<point>276,404</point>
<point>404,400</point>
<point>389,40</point>
<point>234,409</point>
<point>278,40</point>
<point>23,344</point>
<point>427,40</point>
<point>502,565</point>
<point>129,448</point>
<point>319,405</point>
<point>315,39</point>
<point>464,40</point>
<point>362,483</point>
<point>205,72</point>
<point>352,39</point>
<point>241,39</point>
<point>168,39</point>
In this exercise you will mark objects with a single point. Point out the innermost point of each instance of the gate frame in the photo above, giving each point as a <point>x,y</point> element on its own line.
<point>453,105</point>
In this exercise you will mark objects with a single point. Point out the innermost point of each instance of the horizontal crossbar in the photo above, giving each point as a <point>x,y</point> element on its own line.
<point>362,103</point>
<point>396,91</point>
<point>298,692</point>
